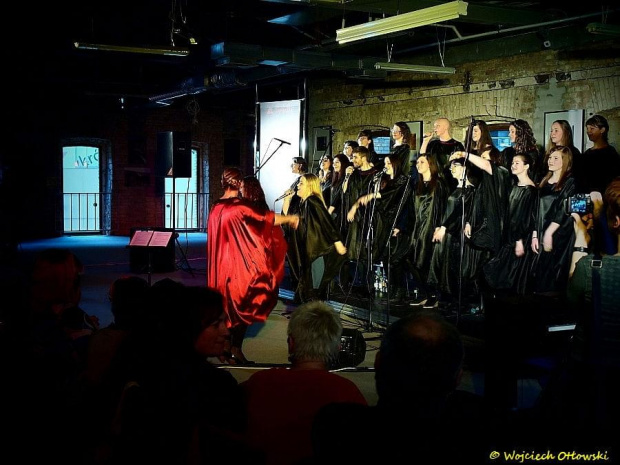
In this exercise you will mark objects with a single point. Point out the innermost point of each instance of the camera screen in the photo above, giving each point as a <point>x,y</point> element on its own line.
<point>578,205</point>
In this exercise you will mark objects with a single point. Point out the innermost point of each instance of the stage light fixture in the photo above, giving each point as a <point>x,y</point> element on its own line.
<point>169,51</point>
<point>423,17</point>
<point>407,68</point>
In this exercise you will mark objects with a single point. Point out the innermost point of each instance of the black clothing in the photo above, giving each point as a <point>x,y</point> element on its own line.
<point>595,169</point>
<point>326,189</point>
<point>433,431</point>
<point>402,154</point>
<point>442,150</point>
<point>293,207</point>
<point>340,204</point>
<point>506,270</point>
<point>314,238</point>
<point>550,272</point>
<point>448,273</point>
<point>425,214</point>
<point>428,209</point>
<point>360,184</point>
<point>490,209</point>
<point>394,193</point>
<point>386,248</point>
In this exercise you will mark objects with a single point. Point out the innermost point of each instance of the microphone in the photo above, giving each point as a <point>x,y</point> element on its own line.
<point>282,141</point>
<point>381,173</point>
<point>288,192</point>
<point>348,173</point>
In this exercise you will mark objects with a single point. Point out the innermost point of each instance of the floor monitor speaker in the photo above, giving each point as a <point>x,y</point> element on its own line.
<point>352,348</point>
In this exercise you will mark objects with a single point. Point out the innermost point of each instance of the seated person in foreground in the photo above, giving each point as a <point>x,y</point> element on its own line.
<point>282,402</point>
<point>421,416</point>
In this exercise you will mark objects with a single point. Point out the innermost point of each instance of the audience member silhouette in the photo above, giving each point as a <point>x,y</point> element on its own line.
<point>109,357</point>
<point>178,407</point>
<point>420,415</point>
<point>51,360</point>
<point>282,402</point>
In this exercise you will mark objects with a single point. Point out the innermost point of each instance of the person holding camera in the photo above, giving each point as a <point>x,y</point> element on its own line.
<point>595,169</point>
<point>584,393</point>
<point>553,236</point>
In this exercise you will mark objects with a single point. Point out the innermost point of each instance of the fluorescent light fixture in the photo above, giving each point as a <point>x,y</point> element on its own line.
<point>423,17</point>
<point>415,68</point>
<point>170,51</point>
<point>603,29</point>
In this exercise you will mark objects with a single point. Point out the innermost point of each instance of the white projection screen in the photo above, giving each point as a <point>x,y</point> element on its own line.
<point>277,120</point>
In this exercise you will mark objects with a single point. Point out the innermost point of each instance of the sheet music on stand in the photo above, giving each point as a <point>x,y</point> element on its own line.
<point>151,239</point>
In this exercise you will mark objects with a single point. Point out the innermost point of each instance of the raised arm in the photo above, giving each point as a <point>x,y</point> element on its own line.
<point>475,160</point>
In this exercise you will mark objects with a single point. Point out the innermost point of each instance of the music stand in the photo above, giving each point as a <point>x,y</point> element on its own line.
<point>150,239</point>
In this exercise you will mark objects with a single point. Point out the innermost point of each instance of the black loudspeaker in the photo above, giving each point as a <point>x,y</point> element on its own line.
<point>352,348</point>
<point>162,258</point>
<point>174,154</point>
<point>322,142</point>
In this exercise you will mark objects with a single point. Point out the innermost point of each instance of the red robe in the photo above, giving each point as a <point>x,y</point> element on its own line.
<point>245,259</point>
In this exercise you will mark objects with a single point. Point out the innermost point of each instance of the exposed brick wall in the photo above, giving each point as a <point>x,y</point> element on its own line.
<point>522,86</point>
<point>137,206</point>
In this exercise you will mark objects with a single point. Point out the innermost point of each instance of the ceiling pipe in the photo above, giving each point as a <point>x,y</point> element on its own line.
<point>461,38</point>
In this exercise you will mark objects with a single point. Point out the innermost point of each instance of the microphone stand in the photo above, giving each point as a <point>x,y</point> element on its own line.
<point>463,183</point>
<point>369,242</point>
<point>388,245</point>
<point>269,157</point>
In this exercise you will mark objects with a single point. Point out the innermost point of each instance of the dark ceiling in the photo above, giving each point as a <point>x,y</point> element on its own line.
<point>234,35</point>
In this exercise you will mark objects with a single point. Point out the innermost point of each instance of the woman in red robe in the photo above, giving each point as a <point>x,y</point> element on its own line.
<point>245,256</point>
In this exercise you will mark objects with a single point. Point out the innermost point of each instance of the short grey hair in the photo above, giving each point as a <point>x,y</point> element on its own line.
<point>316,329</point>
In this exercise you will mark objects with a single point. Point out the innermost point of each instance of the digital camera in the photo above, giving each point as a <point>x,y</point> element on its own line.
<point>579,203</point>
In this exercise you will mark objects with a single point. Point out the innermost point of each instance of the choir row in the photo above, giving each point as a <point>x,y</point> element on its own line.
<point>460,215</point>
